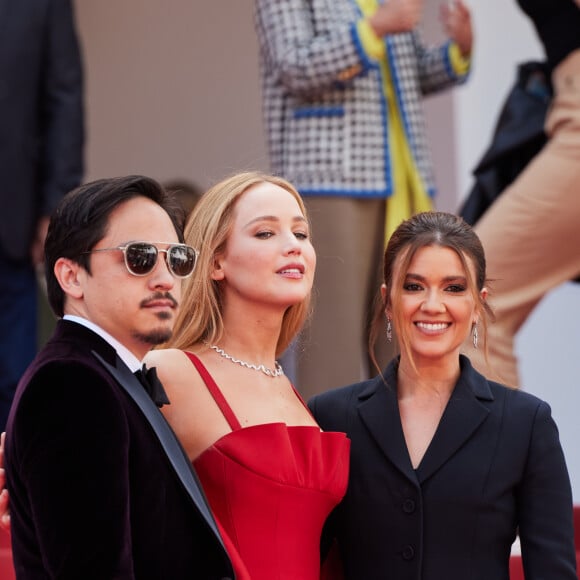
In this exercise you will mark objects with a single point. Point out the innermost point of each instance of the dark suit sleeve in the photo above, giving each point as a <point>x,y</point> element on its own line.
<point>72,458</point>
<point>545,505</point>
<point>328,546</point>
<point>61,154</point>
<point>328,410</point>
<point>312,405</point>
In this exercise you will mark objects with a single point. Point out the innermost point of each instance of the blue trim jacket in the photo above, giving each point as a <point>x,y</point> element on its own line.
<point>324,104</point>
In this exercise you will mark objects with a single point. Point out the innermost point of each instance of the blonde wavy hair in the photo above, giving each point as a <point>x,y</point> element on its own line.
<point>208,229</point>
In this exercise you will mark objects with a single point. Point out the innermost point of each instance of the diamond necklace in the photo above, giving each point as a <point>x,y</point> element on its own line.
<point>275,372</point>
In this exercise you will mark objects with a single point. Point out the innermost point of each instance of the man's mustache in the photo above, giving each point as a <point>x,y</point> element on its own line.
<point>159,296</point>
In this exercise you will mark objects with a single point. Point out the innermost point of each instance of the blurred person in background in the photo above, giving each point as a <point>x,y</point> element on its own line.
<point>41,158</point>
<point>187,192</point>
<point>530,232</point>
<point>342,88</point>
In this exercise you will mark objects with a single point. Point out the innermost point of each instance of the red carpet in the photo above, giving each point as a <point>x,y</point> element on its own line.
<point>6,568</point>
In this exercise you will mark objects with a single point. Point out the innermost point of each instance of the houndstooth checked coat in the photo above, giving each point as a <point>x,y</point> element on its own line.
<point>324,106</point>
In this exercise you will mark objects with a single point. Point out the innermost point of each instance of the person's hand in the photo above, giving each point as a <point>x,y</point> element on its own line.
<point>396,16</point>
<point>37,248</point>
<point>4,511</point>
<point>456,20</point>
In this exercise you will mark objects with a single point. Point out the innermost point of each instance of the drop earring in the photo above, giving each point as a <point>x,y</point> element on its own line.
<point>389,330</point>
<point>475,335</point>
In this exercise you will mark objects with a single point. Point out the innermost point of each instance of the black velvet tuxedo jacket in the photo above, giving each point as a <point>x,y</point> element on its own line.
<point>494,464</point>
<point>93,495</point>
<point>41,116</point>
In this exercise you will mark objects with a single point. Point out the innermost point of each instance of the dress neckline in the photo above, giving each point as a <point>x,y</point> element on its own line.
<point>224,406</point>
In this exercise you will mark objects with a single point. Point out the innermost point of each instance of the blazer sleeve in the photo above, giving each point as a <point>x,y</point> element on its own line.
<point>62,123</point>
<point>303,58</point>
<point>544,505</point>
<point>71,453</point>
<point>435,67</point>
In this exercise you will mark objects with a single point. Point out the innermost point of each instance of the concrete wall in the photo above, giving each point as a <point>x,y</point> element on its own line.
<point>172,88</point>
<point>173,91</point>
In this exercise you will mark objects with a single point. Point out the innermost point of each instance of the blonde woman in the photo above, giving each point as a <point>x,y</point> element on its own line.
<point>270,474</point>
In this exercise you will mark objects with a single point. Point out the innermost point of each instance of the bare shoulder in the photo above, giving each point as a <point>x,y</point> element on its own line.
<point>192,412</point>
<point>165,356</point>
<point>174,369</point>
<point>170,363</point>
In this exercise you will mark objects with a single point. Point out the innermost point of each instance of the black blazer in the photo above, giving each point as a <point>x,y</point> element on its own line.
<point>92,493</point>
<point>41,116</point>
<point>494,464</point>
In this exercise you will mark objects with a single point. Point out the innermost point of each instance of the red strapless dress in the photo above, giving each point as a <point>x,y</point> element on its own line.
<point>271,488</point>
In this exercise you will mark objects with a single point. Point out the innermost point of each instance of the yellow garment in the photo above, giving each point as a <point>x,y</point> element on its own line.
<point>409,195</point>
<point>459,63</point>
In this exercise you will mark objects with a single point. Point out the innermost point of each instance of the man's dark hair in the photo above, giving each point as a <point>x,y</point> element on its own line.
<point>81,220</point>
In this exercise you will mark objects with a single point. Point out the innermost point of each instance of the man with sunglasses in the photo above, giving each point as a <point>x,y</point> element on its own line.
<point>99,486</point>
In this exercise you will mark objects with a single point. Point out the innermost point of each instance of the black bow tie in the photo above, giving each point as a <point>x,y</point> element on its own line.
<point>153,386</point>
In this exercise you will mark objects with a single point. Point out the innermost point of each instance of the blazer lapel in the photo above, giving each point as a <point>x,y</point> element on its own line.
<point>166,436</point>
<point>464,413</point>
<point>379,411</point>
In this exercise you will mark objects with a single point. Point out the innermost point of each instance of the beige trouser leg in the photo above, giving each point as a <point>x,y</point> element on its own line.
<point>348,238</point>
<point>531,234</point>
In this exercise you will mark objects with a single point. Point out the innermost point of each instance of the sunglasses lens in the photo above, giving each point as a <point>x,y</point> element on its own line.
<point>141,258</point>
<point>182,260</point>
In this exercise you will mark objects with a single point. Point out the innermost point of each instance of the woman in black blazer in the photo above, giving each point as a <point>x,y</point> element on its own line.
<point>446,466</point>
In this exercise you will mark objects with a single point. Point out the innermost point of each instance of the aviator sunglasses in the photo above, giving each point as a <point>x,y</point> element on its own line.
<point>141,257</point>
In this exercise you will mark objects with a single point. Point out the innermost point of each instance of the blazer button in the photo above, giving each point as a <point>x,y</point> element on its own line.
<point>408,553</point>
<point>409,506</point>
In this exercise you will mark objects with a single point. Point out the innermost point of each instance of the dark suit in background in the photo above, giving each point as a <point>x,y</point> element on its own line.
<point>132,515</point>
<point>494,465</point>
<point>41,139</point>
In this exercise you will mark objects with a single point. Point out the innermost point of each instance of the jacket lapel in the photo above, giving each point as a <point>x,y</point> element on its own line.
<point>379,411</point>
<point>166,436</point>
<point>464,414</point>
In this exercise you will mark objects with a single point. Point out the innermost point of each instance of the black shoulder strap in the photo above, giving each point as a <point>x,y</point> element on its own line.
<point>166,436</point>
